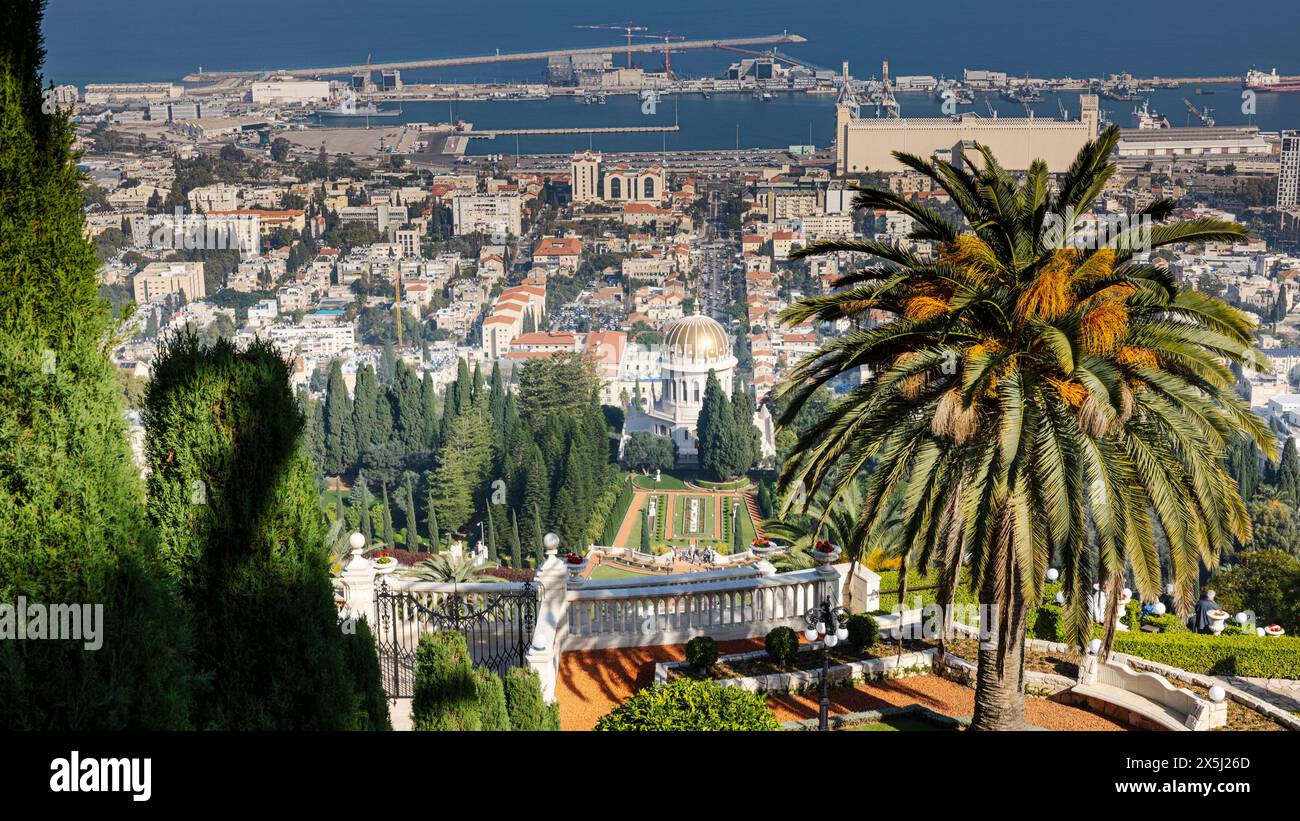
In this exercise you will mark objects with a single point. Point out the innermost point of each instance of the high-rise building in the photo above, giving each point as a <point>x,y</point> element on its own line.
<point>584,176</point>
<point>1288,174</point>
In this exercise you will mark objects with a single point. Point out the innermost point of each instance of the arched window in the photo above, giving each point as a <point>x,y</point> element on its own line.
<point>697,393</point>
<point>649,188</point>
<point>615,188</point>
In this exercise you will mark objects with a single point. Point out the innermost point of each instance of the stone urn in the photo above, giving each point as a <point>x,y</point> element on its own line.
<point>825,553</point>
<point>1217,619</point>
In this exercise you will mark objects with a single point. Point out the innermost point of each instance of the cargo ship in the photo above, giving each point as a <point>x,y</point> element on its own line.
<point>1259,81</point>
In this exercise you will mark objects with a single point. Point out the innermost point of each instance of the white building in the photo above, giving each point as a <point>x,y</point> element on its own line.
<point>1288,175</point>
<point>291,91</point>
<point>485,214</point>
<point>159,279</point>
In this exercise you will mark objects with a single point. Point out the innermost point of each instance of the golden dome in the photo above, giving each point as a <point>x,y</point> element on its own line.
<point>697,337</point>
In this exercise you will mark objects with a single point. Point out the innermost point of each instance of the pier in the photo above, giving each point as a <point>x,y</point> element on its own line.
<point>446,62</point>
<point>492,134</point>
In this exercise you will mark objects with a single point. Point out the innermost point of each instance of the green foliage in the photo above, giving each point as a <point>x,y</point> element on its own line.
<point>371,703</point>
<point>1254,656</point>
<point>724,448</point>
<point>491,696</point>
<point>233,499</point>
<point>528,710</point>
<point>701,653</point>
<point>1047,623</point>
<point>1168,623</point>
<point>73,529</point>
<point>781,644</point>
<point>1265,581</point>
<point>863,630</point>
<point>1133,614</point>
<point>688,705</point>
<point>647,451</point>
<point>446,695</point>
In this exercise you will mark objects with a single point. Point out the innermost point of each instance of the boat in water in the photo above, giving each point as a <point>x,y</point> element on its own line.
<point>1259,81</point>
<point>1145,119</point>
<point>347,109</point>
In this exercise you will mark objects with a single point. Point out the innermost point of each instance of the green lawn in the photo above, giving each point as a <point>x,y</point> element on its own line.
<point>609,571</point>
<point>666,482</point>
<point>682,519</point>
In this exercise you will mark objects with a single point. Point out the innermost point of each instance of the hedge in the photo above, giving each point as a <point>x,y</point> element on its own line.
<point>1254,656</point>
<point>687,704</point>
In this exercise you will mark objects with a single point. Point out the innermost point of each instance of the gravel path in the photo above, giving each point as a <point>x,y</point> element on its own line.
<point>937,693</point>
<point>593,682</point>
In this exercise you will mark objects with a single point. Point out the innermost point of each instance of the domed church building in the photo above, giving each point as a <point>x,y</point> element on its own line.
<point>692,346</point>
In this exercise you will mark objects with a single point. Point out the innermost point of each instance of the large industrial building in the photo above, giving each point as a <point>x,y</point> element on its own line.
<point>865,144</point>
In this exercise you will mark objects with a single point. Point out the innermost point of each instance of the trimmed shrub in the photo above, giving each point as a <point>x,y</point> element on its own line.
<point>687,704</point>
<point>1133,614</point>
<point>446,697</point>
<point>1047,623</point>
<point>524,703</point>
<point>781,644</point>
<point>371,703</point>
<point>701,653</point>
<point>1168,623</point>
<point>1262,657</point>
<point>491,695</point>
<point>863,630</point>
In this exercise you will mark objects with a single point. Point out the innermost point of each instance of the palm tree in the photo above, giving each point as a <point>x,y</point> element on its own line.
<point>448,569</point>
<point>1029,399</point>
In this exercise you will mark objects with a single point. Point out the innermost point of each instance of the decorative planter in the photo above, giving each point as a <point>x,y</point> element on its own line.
<point>824,557</point>
<point>575,568</point>
<point>385,565</point>
<point>1274,630</point>
<point>1217,619</point>
<point>766,547</point>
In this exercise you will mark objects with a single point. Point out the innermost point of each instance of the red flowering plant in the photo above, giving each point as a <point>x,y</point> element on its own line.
<point>574,558</point>
<point>762,542</point>
<point>824,546</point>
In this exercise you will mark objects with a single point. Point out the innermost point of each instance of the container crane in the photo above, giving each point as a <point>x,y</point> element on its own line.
<point>627,28</point>
<point>1202,115</point>
<point>667,37</point>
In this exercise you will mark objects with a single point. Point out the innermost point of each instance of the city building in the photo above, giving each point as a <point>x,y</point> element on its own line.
<point>479,213</point>
<point>289,91</point>
<point>584,176</point>
<point>865,144</point>
<point>160,279</point>
<point>1288,175</point>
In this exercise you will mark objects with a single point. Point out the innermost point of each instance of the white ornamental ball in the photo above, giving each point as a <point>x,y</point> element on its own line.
<point>551,541</point>
<point>1060,597</point>
<point>357,541</point>
<point>1217,694</point>
<point>1159,608</point>
<point>1242,618</point>
<point>1094,646</point>
<point>1053,574</point>
<point>1259,631</point>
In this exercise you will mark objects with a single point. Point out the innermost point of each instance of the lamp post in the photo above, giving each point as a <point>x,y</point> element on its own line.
<point>826,623</point>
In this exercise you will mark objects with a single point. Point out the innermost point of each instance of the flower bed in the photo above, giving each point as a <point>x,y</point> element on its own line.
<point>808,659</point>
<point>1037,661</point>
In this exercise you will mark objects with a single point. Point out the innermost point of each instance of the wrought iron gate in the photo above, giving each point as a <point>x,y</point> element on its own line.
<point>497,626</point>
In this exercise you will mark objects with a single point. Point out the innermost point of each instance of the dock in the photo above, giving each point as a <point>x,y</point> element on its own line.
<point>492,134</point>
<point>482,59</point>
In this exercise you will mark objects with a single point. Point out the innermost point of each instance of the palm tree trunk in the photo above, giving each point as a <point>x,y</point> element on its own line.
<point>1000,680</point>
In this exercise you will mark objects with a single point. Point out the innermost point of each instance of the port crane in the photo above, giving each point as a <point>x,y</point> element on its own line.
<point>1201,114</point>
<point>667,37</point>
<point>627,28</point>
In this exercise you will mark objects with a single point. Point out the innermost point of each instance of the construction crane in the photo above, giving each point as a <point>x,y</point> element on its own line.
<point>628,28</point>
<point>667,37</point>
<point>1202,115</point>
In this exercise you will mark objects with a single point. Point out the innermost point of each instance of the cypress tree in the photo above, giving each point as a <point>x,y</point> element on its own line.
<point>363,410</point>
<point>367,529</point>
<point>490,531</point>
<point>408,404</point>
<point>464,387</point>
<point>339,515</point>
<point>387,365</point>
<point>748,445</point>
<point>516,552</point>
<point>408,514</point>
<point>445,695</point>
<point>340,436</point>
<point>74,529</point>
<point>539,546</point>
<point>429,412</point>
<point>435,543</point>
<point>449,413</point>
<point>1288,472</point>
<point>390,537</point>
<point>250,559</point>
<point>477,384</point>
